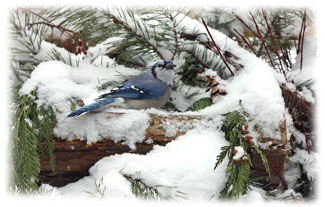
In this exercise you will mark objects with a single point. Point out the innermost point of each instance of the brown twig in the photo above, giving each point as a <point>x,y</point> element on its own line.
<point>302,41</point>
<point>50,24</point>
<point>274,44</point>
<point>278,174</point>
<point>263,42</point>
<point>246,25</point>
<point>218,49</point>
<point>299,37</point>
<point>247,43</point>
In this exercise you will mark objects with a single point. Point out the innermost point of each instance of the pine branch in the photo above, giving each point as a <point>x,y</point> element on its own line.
<point>175,36</point>
<point>134,32</point>
<point>142,190</point>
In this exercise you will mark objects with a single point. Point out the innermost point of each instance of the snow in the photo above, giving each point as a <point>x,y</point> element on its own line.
<point>307,73</point>
<point>239,154</point>
<point>179,166</point>
<point>129,127</point>
<point>308,160</point>
<point>255,85</point>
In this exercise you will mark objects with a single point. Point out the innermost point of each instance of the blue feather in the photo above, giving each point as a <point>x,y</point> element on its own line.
<point>91,107</point>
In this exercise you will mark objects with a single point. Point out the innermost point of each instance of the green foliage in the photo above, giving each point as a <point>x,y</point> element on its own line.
<point>32,127</point>
<point>238,171</point>
<point>264,159</point>
<point>223,154</point>
<point>238,180</point>
<point>233,124</point>
<point>142,190</point>
<point>200,104</point>
<point>169,106</point>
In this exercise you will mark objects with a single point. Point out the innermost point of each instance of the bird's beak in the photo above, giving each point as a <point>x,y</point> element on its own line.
<point>170,66</point>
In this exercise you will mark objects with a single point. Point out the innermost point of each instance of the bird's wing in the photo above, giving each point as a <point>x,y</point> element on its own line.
<point>141,87</point>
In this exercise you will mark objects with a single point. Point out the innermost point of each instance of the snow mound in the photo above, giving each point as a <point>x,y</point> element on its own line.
<point>177,167</point>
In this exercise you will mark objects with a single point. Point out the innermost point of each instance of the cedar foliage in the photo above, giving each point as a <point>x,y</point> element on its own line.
<point>238,180</point>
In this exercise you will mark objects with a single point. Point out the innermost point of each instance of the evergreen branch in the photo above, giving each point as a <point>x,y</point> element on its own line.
<point>32,126</point>
<point>264,159</point>
<point>238,169</point>
<point>142,190</point>
<point>25,143</point>
<point>175,36</point>
<point>134,33</point>
<point>224,152</point>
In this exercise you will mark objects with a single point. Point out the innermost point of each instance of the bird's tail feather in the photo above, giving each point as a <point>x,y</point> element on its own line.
<point>91,107</point>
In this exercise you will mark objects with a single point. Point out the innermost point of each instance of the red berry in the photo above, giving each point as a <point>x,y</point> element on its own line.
<point>81,42</point>
<point>79,49</point>
<point>66,45</point>
<point>85,52</point>
<point>115,21</point>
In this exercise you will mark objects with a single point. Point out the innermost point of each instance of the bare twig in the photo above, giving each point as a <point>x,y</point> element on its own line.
<point>246,25</point>
<point>278,174</point>
<point>50,24</point>
<point>247,43</point>
<point>275,47</point>
<point>218,49</point>
<point>263,42</point>
<point>302,41</point>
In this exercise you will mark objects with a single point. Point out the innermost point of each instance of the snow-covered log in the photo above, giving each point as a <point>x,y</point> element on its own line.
<point>75,157</point>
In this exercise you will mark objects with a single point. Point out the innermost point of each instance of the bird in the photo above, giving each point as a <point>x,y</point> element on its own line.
<point>151,89</point>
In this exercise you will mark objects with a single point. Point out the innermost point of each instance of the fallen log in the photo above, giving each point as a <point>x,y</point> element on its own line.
<point>74,158</point>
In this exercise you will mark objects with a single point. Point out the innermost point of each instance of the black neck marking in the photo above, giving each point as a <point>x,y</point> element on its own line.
<point>154,72</point>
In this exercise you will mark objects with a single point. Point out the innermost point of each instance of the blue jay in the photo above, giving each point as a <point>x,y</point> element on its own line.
<point>150,89</point>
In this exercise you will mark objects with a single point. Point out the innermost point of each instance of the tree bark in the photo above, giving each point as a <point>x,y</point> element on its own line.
<point>74,158</point>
